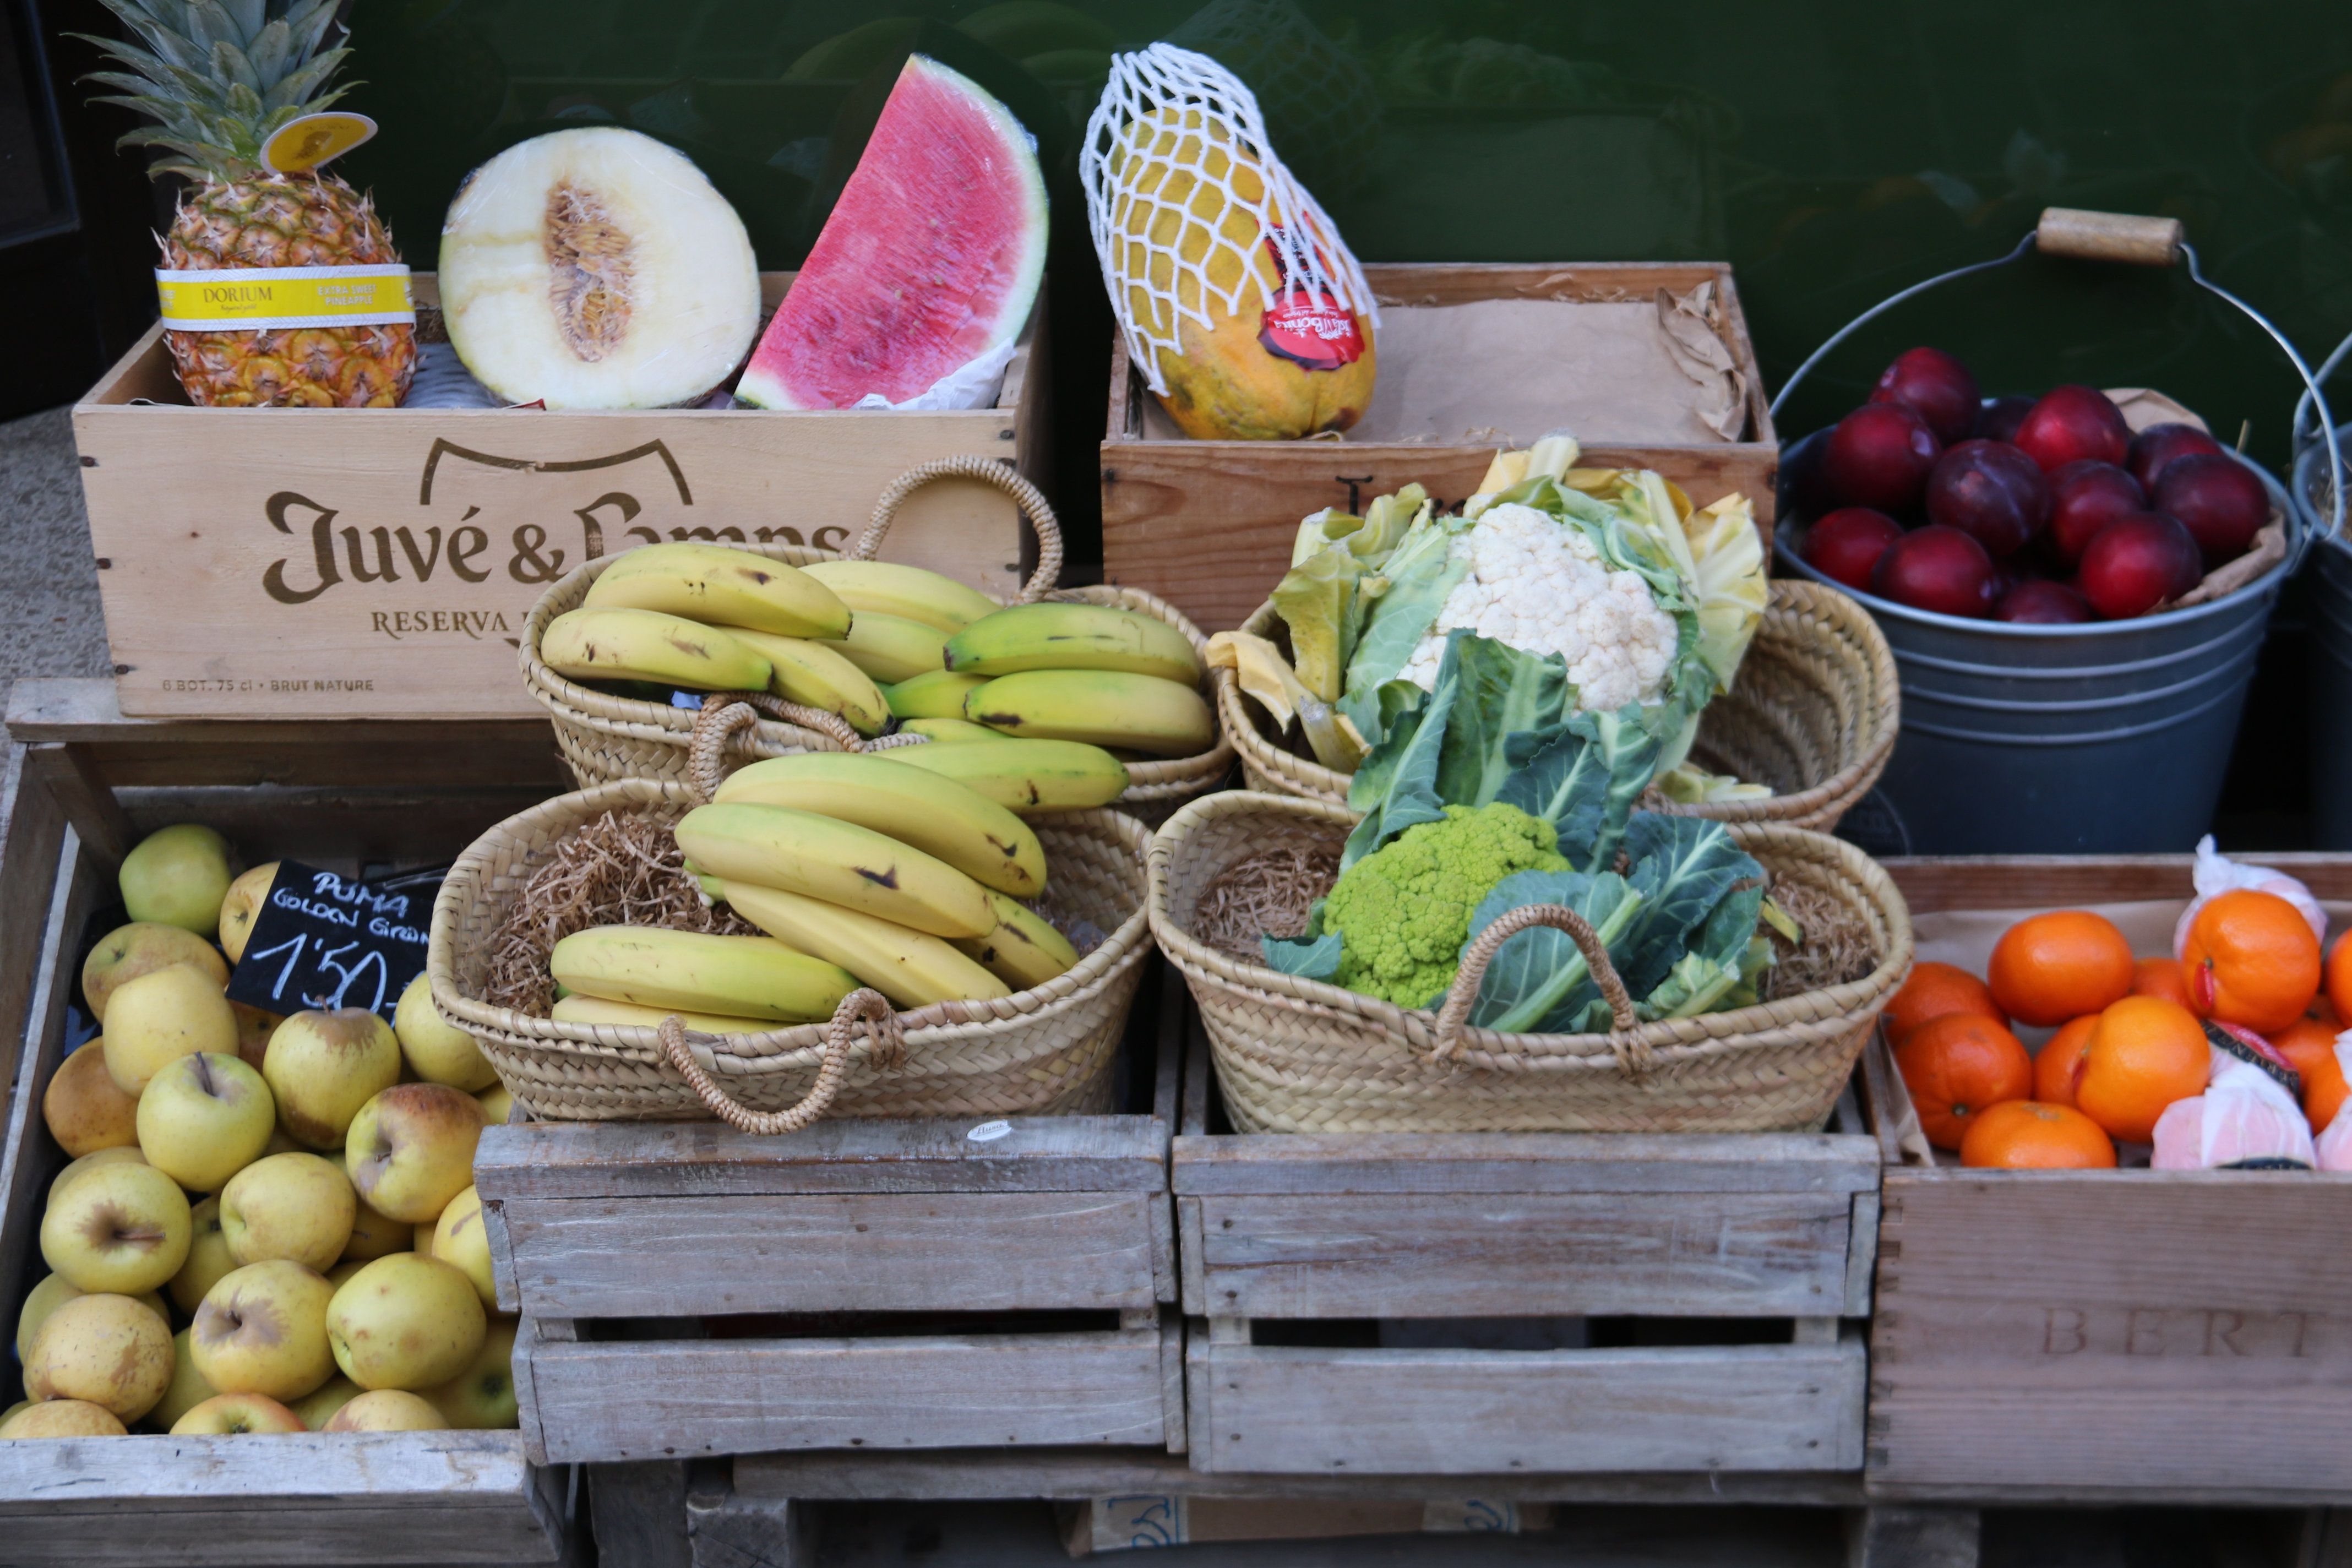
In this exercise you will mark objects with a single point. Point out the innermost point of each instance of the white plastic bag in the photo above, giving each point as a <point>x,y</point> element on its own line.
<point>2246,1118</point>
<point>2216,874</point>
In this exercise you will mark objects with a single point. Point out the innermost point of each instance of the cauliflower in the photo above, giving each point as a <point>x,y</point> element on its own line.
<point>1403,913</point>
<point>1538,585</point>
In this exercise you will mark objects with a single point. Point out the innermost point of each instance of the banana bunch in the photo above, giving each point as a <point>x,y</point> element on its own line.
<point>1070,672</point>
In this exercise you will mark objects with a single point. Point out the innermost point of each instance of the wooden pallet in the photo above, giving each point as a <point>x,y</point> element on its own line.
<point>2092,1336</point>
<point>688,1290</point>
<point>1275,1230</point>
<point>440,1498</point>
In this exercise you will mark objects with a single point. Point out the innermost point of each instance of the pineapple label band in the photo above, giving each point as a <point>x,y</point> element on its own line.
<point>277,298</point>
<point>324,942</point>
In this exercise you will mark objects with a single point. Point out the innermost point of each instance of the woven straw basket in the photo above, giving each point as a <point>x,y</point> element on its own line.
<point>1812,713</point>
<point>605,738</point>
<point>1298,1056</point>
<point>1046,1051</point>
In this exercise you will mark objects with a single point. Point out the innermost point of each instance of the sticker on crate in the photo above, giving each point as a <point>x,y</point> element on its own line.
<point>323,940</point>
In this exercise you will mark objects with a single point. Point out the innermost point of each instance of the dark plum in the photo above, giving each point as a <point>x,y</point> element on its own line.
<point>2084,497</point>
<point>1991,491</point>
<point>2039,602</point>
<point>2136,563</point>
<point>2157,445</point>
<point>1846,545</point>
<point>1880,455</point>
<point>2072,422</point>
<point>1939,569</point>
<point>1937,387</point>
<point>2218,501</point>
<point>1998,420</point>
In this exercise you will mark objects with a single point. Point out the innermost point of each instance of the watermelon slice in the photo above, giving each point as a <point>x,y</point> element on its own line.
<point>928,266</point>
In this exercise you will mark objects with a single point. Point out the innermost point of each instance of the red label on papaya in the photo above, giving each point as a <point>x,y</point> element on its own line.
<point>1307,324</point>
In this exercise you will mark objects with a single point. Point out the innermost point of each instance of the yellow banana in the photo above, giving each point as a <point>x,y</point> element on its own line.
<point>1023,949</point>
<point>1104,707</point>
<point>911,969</point>
<point>598,1010</point>
<point>836,861</point>
<point>1023,776</point>
<point>935,814</point>
<point>1074,636</point>
<point>891,647</point>
<point>722,587</point>
<point>938,694</point>
<point>950,729</point>
<point>814,675</point>
<point>739,976</point>
<point>887,588</point>
<point>646,644</point>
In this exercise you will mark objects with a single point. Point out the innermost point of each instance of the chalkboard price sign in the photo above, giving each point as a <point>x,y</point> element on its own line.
<point>322,942</point>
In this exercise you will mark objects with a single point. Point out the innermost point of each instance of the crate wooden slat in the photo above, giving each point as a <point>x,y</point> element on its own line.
<point>32,831</point>
<point>1208,525</point>
<point>1392,1226</point>
<point>2106,1335</point>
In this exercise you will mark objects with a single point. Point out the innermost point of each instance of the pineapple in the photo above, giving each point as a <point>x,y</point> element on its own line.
<point>220,76</point>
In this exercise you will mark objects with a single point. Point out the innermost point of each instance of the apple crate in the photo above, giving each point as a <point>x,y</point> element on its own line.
<point>1507,1305</point>
<point>861,1285</point>
<point>436,1498</point>
<point>2101,1336</point>
<point>1208,525</point>
<point>332,563</point>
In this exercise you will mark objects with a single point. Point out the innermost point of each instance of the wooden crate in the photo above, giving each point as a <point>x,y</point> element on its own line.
<point>1208,525</point>
<point>1276,1231</point>
<point>439,1498</point>
<point>688,1290</point>
<point>2130,1335</point>
<point>379,563</point>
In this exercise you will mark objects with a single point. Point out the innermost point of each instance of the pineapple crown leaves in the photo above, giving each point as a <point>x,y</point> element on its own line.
<point>218,76</point>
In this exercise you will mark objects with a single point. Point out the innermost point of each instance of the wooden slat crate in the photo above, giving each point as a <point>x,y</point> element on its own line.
<point>2129,1335</point>
<point>688,1290</point>
<point>426,1497</point>
<point>1208,525</point>
<point>1278,1232</point>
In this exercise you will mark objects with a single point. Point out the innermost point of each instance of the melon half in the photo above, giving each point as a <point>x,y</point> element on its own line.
<point>597,269</point>
<point>928,263</point>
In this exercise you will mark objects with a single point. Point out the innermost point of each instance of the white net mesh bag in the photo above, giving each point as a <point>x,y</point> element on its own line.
<point>1184,191</point>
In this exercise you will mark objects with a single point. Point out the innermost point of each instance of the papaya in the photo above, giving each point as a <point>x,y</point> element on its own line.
<point>1252,374</point>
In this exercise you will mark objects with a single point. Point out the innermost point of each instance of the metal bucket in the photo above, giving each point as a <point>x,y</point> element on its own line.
<point>2109,738</point>
<point>2331,645</point>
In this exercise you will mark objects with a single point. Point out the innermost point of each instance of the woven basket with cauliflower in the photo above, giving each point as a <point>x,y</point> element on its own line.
<point>1609,593</point>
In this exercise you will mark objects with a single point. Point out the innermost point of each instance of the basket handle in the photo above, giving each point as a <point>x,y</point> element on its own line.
<point>864,1005</point>
<point>988,470</point>
<point>1454,1015</point>
<point>726,714</point>
<point>2109,237</point>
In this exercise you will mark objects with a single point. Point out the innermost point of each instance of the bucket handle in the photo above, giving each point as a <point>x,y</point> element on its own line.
<point>2140,241</point>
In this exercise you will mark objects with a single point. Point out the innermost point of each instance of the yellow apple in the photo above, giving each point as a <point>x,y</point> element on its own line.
<point>241,906</point>
<point>482,1397</point>
<point>208,1256</point>
<point>323,1066</point>
<point>204,1119</point>
<point>84,1108</point>
<point>318,1408</point>
<point>376,1235</point>
<point>424,1235</point>
<point>295,1207</point>
<point>263,1330</point>
<point>437,1051</point>
<point>63,1418</point>
<point>411,1149</point>
<point>161,1017</point>
<point>118,1228</point>
<point>458,1239</point>
<point>386,1410</point>
<point>123,1154</point>
<point>52,1291</point>
<point>406,1322</point>
<point>188,1388</point>
<point>254,1028</point>
<point>237,1415</point>
<point>177,876</point>
<point>497,1104</point>
<point>108,1350</point>
<point>126,953</point>
<point>342,1272</point>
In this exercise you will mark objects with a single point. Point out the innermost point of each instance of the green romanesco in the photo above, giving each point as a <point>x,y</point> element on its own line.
<point>1403,913</point>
